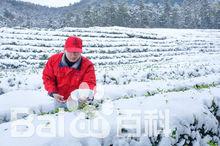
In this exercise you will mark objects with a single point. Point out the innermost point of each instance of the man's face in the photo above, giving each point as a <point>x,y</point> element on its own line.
<point>72,56</point>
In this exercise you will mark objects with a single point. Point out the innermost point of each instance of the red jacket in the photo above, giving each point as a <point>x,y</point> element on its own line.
<point>63,79</point>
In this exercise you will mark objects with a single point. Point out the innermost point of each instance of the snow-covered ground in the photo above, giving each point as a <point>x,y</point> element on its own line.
<point>140,71</point>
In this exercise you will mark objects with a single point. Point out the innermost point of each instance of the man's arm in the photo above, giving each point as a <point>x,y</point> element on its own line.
<point>49,78</point>
<point>90,77</point>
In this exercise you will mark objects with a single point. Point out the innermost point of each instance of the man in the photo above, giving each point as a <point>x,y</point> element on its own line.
<point>64,72</point>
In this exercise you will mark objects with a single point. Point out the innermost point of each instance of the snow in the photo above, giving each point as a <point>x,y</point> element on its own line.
<point>155,70</point>
<point>177,105</point>
<point>36,101</point>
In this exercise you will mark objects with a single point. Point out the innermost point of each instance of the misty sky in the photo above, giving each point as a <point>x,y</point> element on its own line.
<point>52,3</point>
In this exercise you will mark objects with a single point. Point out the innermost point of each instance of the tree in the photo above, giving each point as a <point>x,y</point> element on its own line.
<point>88,17</point>
<point>109,14</point>
<point>123,17</point>
<point>143,14</point>
<point>166,14</point>
<point>190,12</point>
<point>217,18</point>
<point>8,14</point>
<point>205,14</point>
<point>175,19</point>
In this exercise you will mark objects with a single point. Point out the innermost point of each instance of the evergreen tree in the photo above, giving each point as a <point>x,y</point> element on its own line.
<point>205,14</point>
<point>217,17</point>
<point>123,17</point>
<point>165,19</point>
<point>88,17</point>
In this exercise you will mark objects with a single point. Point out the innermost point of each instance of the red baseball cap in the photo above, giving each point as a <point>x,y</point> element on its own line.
<point>73,44</point>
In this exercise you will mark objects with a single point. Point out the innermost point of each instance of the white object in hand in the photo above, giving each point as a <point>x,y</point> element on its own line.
<point>72,103</point>
<point>82,94</point>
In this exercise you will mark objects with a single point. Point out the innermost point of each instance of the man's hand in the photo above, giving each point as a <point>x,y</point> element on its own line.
<point>59,97</point>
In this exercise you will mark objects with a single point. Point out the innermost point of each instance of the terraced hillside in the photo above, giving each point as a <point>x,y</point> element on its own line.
<point>120,55</point>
